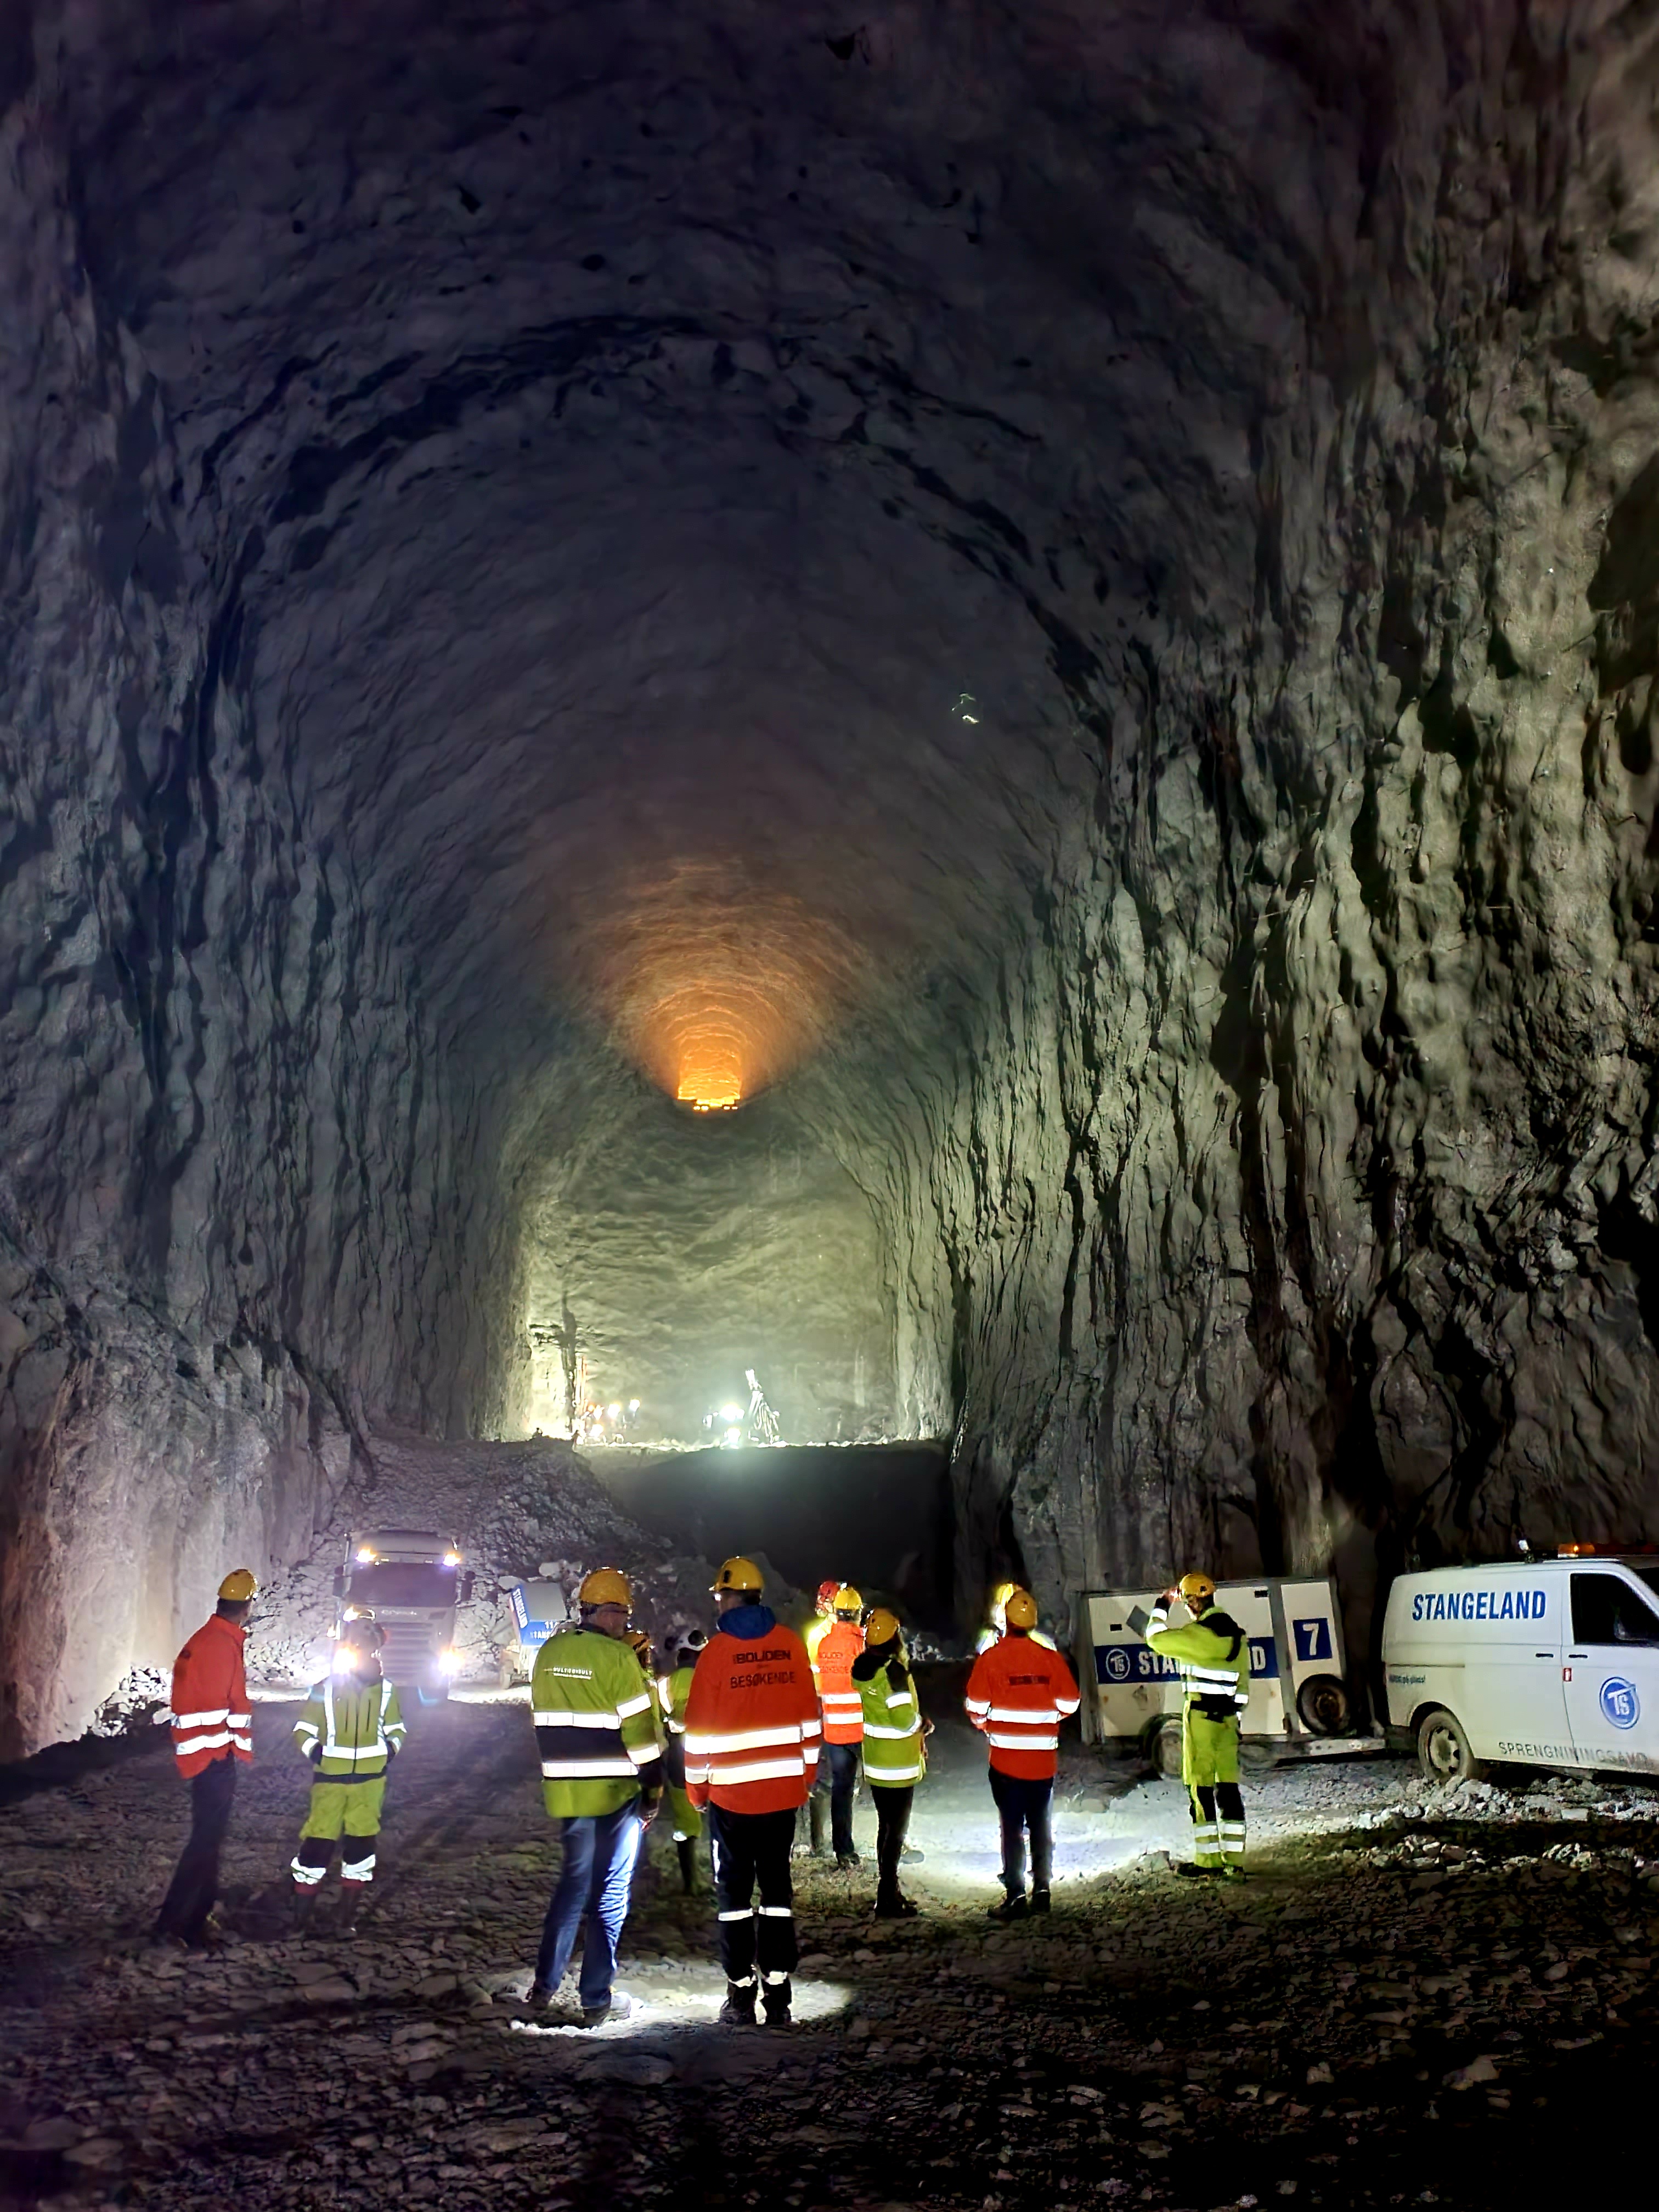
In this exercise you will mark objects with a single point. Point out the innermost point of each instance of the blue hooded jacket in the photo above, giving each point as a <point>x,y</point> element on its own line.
<point>746,1622</point>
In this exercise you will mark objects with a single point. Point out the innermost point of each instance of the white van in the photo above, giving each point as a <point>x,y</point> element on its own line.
<point>1300,1704</point>
<point>1546,1663</point>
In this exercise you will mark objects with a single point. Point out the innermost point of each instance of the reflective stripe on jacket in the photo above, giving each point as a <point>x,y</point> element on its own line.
<point>895,1751</point>
<point>211,1716</point>
<point>595,1724</point>
<point>751,1719</point>
<point>359,1725</point>
<point>832,1671</point>
<point>1213,1656</point>
<point>1017,1695</point>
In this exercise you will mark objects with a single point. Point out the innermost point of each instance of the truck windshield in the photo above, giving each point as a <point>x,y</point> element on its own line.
<point>1647,1575</point>
<point>404,1582</point>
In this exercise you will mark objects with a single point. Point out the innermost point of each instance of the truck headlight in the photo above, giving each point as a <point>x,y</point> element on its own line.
<point>449,1662</point>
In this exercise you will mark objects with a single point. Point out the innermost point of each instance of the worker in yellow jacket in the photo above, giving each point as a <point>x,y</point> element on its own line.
<point>672,1691</point>
<point>351,1729</point>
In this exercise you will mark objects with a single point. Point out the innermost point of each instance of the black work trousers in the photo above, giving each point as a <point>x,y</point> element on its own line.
<point>1024,1806</point>
<point>893,1803</point>
<point>751,1851</point>
<point>838,1780</point>
<point>195,1886</point>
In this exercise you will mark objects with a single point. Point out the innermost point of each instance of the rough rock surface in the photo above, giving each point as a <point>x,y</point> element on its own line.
<point>1074,593</point>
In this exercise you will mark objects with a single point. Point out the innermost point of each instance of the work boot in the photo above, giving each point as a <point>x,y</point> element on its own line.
<point>538,1997</point>
<point>1194,1872</point>
<point>891,1906</point>
<point>686,1850</point>
<point>776,1999</point>
<point>618,2006</point>
<point>1039,1900</point>
<point>738,2010</point>
<point>351,1901</point>
<point>1012,1907</point>
<point>846,1861</point>
<point>817,1814</point>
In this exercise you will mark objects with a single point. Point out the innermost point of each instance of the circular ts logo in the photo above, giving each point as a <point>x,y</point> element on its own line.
<point>1618,1701</point>
<point>1117,1666</point>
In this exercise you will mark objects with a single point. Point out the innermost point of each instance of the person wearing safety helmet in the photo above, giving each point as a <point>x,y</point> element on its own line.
<point>350,1730</point>
<point>997,1624</point>
<point>601,1753</point>
<point>895,1750</point>
<point>212,1735</point>
<point>751,1750</point>
<point>1017,1695</point>
<point>1213,1656</point>
<point>843,1726</point>
<point>672,1691</point>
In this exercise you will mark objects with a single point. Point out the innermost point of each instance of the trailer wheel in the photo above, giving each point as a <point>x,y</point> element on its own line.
<point>1443,1749</point>
<point>1164,1750</point>
<point>1257,1755</point>
<point>1324,1706</point>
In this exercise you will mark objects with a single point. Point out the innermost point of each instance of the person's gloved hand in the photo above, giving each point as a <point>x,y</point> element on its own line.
<point>315,1754</point>
<point>649,1801</point>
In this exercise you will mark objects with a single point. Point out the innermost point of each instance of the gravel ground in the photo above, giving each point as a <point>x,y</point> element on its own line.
<point>1417,1998</point>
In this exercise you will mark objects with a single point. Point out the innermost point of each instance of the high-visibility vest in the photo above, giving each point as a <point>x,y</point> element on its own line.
<point>1019,1693</point>
<point>672,1691</point>
<point>751,1721</point>
<point>1213,1656</point>
<point>832,1670</point>
<point>358,1724</point>
<point>895,1751</point>
<point>211,1713</point>
<point>595,1724</point>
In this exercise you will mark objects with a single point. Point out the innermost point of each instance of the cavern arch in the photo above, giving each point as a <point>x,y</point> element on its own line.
<point>1068,588</point>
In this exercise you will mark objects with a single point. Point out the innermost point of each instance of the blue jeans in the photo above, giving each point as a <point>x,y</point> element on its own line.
<point>599,1852</point>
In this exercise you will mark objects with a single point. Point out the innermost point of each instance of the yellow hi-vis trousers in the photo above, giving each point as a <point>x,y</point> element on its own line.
<point>350,1810</point>
<point>1209,1767</point>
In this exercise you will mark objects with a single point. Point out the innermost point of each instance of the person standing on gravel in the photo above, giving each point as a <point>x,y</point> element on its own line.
<point>1213,1654</point>
<point>843,1713</point>
<point>895,1752</point>
<point>672,1691</point>
<point>1017,1695</point>
<point>212,1735</point>
<point>350,1730</point>
<point>601,1753</point>
<point>752,1750</point>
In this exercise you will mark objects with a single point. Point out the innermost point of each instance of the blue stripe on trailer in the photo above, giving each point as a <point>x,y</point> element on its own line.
<point>1116,1664</point>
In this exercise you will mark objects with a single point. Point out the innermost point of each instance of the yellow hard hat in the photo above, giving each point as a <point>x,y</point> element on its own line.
<point>641,1640</point>
<point>604,1586</point>
<point>1196,1590</point>
<point>1021,1610</point>
<point>848,1600</point>
<point>881,1627</point>
<point>362,1629</point>
<point>741,1574</point>
<point>238,1585</point>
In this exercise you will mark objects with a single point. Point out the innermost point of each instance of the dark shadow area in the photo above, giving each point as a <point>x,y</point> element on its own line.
<point>876,1515</point>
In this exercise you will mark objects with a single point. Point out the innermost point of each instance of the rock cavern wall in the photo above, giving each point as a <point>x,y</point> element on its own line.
<point>1293,1203</point>
<point>673,1254</point>
<point>1071,589</point>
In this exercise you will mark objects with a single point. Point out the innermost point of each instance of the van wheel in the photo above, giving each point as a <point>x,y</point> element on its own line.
<point>1324,1706</point>
<point>1164,1750</point>
<point>1443,1749</point>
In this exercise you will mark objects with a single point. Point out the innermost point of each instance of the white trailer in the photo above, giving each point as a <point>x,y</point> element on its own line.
<point>1537,1663</point>
<point>1300,1704</point>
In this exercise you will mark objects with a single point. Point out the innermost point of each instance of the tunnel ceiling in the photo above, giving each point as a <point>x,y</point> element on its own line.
<point>1067,592</point>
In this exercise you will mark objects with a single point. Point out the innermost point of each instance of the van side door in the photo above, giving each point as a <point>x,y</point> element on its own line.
<point>1611,1670</point>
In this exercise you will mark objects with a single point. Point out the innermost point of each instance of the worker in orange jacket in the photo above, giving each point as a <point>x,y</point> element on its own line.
<point>842,1711</point>
<point>212,1735</point>
<point>1017,1694</point>
<point>751,1750</point>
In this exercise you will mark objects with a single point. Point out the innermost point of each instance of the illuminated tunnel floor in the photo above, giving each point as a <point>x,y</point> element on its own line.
<point>1345,2022</point>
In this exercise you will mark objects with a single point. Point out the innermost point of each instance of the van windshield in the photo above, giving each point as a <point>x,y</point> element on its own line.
<point>1650,1576</point>
<point>402,1582</point>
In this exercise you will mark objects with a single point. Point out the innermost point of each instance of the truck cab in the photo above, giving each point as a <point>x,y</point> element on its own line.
<point>412,1580</point>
